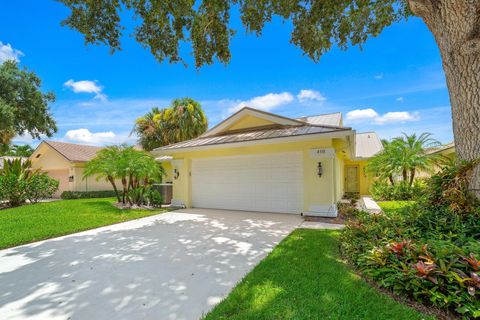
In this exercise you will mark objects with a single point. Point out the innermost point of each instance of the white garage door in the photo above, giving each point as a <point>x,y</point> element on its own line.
<point>268,183</point>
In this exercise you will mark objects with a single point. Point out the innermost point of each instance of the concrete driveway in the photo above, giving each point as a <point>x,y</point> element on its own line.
<point>176,265</point>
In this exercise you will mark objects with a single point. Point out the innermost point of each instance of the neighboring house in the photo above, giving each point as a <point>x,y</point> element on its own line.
<point>259,161</point>
<point>66,162</point>
<point>447,150</point>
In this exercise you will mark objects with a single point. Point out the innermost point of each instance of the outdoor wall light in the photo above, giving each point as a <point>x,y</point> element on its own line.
<point>319,170</point>
<point>176,174</point>
<point>70,179</point>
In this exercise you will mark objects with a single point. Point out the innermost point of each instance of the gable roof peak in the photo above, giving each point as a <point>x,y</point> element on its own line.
<point>275,118</point>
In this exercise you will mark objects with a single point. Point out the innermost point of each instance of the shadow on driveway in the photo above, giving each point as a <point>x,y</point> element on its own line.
<point>176,265</point>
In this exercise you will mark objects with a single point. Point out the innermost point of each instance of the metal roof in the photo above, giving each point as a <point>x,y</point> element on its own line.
<point>332,119</point>
<point>367,144</point>
<point>445,147</point>
<point>252,135</point>
<point>163,158</point>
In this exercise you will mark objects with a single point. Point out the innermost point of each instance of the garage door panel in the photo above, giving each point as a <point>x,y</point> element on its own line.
<point>259,183</point>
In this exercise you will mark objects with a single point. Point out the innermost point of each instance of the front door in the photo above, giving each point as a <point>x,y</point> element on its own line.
<point>351,179</point>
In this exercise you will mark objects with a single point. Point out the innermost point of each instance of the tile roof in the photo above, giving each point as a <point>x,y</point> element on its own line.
<point>74,152</point>
<point>252,135</point>
<point>332,119</point>
<point>367,144</point>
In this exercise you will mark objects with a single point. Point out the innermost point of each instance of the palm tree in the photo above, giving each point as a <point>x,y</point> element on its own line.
<point>184,119</point>
<point>135,169</point>
<point>148,130</point>
<point>405,156</point>
<point>383,165</point>
<point>187,120</point>
<point>413,154</point>
<point>104,165</point>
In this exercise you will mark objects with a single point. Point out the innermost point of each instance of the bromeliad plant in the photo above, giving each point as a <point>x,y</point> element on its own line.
<point>135,170</point>
<point>429,251</point>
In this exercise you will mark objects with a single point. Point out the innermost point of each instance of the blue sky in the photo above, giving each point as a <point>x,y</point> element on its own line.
<point>395,84</point>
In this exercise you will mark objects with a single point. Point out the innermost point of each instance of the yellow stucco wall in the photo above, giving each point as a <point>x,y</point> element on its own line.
<point>317,191</point>
<point>167,167</point>
<point>89,183</point>
<point>365,181</point>
<point>249,122</point>
<point>51,160</point>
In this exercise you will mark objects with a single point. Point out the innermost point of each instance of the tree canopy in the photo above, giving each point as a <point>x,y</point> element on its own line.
<point>17,150</point>
<point>163,26</point>
<point>23,106</point>
<point>184,119</point>
<point>317,25</point>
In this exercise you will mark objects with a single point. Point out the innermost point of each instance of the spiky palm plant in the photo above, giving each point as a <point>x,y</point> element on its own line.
<point>184,119</point>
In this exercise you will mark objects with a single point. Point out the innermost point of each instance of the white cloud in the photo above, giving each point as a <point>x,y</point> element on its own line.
<point>401,116</point>
<point>307,95</point>
<point>86,86</point>
<point>378,76</point>
<point>84,135</point>
<point>267,102</point>
<point>400,99</point>
<point>362,114</point>
<point>9,53</point>
<point>389,117</point>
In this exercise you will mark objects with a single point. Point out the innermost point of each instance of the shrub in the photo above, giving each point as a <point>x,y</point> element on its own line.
<point>429,251</point>
<point>13,190</point>
<point>154,198</point>
<point>41,186</point>
<point>401,191</point>
<point>145,196</point>
<point>18,183</point>
<point>67,195</point>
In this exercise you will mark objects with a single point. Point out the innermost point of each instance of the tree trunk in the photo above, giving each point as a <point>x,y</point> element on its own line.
<point>390,177</point>
<point>112,181</point>
<point>455,25</point>
<point>405,175</point>
<point>412,176</point>
<point>125,189</point>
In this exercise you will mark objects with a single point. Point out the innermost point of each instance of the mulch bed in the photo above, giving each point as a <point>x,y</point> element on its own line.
<point>337,220</point>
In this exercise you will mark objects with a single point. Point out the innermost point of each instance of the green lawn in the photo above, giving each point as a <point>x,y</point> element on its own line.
<point>394,206</point>
<point>40,221</point>
<point>304,278</point>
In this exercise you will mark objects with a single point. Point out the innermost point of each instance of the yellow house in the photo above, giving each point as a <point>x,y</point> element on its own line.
<point>66,163</point>
<point>259,161</point>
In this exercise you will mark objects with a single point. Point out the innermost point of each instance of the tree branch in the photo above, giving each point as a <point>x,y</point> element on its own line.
<point>421,8</point>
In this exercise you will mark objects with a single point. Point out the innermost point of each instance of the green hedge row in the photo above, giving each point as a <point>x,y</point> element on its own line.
<point>87,194</point>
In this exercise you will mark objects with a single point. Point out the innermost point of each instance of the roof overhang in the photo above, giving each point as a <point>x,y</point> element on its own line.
<point>252,112</point>
<point>347,134</point>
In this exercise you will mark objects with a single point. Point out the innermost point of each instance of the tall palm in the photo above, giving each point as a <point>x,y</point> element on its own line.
<point>149,133</point>
<point>184,119</point>
<point>187,120</point>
